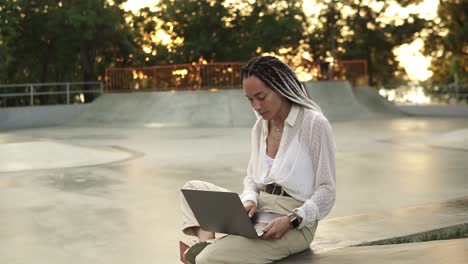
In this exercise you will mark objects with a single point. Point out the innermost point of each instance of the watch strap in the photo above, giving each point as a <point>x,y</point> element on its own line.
<point>294,220</point>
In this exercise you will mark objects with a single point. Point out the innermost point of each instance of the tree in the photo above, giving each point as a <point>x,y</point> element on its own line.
<point>217,32</point>
<point>68,40</point>
<point>9,19</point>
<point>73,37</point>
<point>355,30</point>
<point>324,37</point>
<point>270,26</point>
<point>102,34</point>
<point>446,42</point>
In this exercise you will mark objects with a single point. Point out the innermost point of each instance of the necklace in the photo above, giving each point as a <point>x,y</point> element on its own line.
<point>277,134</point>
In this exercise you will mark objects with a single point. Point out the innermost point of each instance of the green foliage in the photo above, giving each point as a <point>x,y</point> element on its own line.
<point>9,19</point>
<point>74,40</point>
<point>217,32</point>
<point>199,24</point>
<point>447,42</point>
<point>325,35</point>
<point>271,28</point>
<point>362,35</point>
<point>53,41</point>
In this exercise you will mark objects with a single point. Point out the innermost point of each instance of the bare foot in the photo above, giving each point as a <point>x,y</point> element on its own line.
<point>202,234</point>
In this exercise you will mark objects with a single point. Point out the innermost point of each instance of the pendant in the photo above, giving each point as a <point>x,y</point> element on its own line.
<point>277,134</point>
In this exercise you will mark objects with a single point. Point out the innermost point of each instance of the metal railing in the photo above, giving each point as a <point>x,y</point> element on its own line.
<point>33,91</point>
<point>214,75</point>
<point>195,76</point>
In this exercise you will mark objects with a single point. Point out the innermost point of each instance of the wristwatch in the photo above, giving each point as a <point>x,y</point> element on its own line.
<point>294,220</point>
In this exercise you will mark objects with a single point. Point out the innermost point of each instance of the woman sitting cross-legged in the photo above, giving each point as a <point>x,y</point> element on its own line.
<point>291,171</point>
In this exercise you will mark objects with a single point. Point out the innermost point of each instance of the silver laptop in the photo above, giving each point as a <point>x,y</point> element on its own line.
<point>223,212</point>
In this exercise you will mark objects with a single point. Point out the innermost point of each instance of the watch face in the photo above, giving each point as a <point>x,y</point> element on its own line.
<point>295,223</point>
<point>293,220</point>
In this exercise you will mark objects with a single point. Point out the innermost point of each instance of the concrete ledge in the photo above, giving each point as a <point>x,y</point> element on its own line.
<point>435,110</point>
<point>341,233</point>
<point>447,251</point>
<point>21,156</point>
<point>366,228</point>
<point>446,233</point>
<point>38,116</point>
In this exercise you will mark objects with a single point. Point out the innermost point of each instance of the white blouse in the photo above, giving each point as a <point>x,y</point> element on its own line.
<point>269,163</point>
<point>304,164</point>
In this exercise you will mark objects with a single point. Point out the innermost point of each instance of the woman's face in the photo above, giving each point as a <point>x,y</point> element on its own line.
<point>265,101</point>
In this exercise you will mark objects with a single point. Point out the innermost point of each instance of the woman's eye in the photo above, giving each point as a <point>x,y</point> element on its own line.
<point>261,98</point>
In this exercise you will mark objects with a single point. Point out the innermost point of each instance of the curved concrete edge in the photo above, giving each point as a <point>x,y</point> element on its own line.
<point>371,99</point>
<point>227,108</point>
<point>336,100</point>
<point>447,251</point>
<point>355,238</point>
<point>445,233</point>
<point>23,156</point>
<point>342,102</point>
<point>368,228</point>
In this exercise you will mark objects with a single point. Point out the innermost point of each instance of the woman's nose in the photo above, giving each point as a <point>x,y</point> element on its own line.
<point>256,105</point>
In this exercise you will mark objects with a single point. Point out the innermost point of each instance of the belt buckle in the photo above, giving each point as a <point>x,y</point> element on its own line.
<point>277,190</point>
<point>274,189</point>
<point>281,191</point>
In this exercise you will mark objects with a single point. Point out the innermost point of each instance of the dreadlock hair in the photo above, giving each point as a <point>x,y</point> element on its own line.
<point>279,77</point>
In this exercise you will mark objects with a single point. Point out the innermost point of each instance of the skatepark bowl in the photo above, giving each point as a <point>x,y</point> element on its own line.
<point>104,187</point>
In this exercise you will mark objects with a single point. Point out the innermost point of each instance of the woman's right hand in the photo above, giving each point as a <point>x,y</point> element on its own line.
<point>250,207</point>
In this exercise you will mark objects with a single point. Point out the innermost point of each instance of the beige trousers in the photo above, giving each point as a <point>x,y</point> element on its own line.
<point>238,249</point>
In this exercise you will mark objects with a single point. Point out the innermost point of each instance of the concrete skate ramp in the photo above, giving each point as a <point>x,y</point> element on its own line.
<point>337,100</point>
<point>341,102</point>
<point>375,103</point>
<point>228,108</point>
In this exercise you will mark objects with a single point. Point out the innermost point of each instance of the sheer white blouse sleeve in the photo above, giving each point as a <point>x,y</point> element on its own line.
<point>322,148</point>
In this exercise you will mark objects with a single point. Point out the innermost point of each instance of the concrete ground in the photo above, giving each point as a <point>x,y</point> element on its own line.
<point>126,211</point>
<point>109,194</point>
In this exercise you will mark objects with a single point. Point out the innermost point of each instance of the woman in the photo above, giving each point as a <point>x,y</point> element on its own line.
<point>291,171</point>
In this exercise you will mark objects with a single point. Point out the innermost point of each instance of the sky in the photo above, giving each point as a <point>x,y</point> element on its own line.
<point>413,61</point>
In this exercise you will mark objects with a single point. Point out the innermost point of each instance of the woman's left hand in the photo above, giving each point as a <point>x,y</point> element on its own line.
<point>277,228</point>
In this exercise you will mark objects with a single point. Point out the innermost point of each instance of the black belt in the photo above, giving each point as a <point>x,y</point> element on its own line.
<point>276,190</point>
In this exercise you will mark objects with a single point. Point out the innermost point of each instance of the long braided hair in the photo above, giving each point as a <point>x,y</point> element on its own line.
<point>279,77</point>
